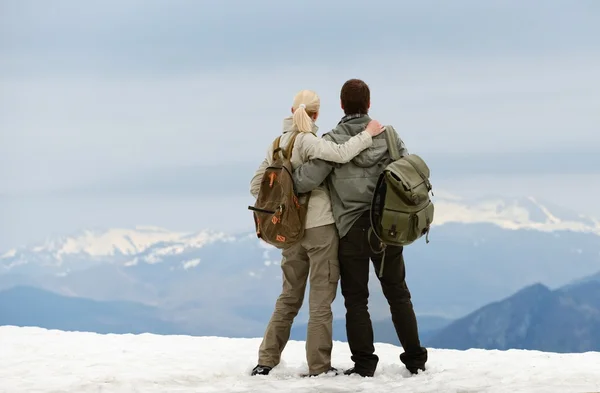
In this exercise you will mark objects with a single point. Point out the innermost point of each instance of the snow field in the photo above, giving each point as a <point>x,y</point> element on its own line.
<point>36,360</point>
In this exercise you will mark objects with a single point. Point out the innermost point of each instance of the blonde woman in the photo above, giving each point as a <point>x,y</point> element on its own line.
<point>316,255</point>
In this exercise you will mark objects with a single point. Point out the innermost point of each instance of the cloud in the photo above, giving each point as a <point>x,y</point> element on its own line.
<point>76,128</point>
<point>93,91</point>
<point>184,35</point>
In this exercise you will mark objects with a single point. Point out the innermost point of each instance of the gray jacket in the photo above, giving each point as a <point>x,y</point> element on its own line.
<point>351,185</point>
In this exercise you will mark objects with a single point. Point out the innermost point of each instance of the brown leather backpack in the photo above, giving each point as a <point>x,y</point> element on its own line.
<point>279,217</point>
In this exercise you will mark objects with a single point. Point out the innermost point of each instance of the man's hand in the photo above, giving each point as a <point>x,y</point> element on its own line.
<point>374,128</point>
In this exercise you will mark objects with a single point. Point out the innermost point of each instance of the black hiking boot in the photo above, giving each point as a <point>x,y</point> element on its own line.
<point>352,371</point>
<point>261,370</point>
<point>415,370</point>
<point>415,360</point>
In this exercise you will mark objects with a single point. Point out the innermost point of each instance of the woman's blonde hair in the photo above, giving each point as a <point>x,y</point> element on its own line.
<point>306,105</point>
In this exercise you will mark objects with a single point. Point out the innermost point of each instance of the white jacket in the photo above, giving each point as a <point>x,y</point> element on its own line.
<point>306,147</point>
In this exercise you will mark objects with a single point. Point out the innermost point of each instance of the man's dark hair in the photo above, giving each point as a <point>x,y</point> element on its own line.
<point>356,97</point>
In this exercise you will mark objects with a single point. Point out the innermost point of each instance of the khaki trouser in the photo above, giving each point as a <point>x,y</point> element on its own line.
<point>316,254</point>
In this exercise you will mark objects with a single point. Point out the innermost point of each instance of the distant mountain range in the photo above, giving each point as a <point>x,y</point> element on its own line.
<point>27,306</point>
<point>563,320</point>
<point>383,329</point>
<point>212,283</point>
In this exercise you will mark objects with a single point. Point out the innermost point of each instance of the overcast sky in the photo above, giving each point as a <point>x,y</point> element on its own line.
<point>127,102</point>
<point>97,89</point>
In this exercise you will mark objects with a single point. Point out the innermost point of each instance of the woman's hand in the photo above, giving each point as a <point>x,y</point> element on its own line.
<point>374,128</point>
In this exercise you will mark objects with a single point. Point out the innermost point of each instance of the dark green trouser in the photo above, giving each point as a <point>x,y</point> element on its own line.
<point>354,255</point>
<point>315,259</point>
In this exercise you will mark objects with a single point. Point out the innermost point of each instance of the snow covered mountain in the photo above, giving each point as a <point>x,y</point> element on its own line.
<point>480,251</point>
<point>122,246</point>
<point>513,213</point>
<point>152,244</point>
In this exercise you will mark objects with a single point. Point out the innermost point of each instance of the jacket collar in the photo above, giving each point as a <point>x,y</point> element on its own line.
<point>352,117</point>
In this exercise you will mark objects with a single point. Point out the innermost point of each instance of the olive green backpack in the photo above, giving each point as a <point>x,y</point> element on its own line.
<point>401,209</point>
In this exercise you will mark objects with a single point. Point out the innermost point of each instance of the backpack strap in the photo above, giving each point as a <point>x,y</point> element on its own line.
<point>382,246</point>
<point>276,148</point>
<point>288,151</point>
<point>392,143</point>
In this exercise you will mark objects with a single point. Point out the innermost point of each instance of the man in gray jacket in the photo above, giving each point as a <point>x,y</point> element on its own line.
<point>351,187</point>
